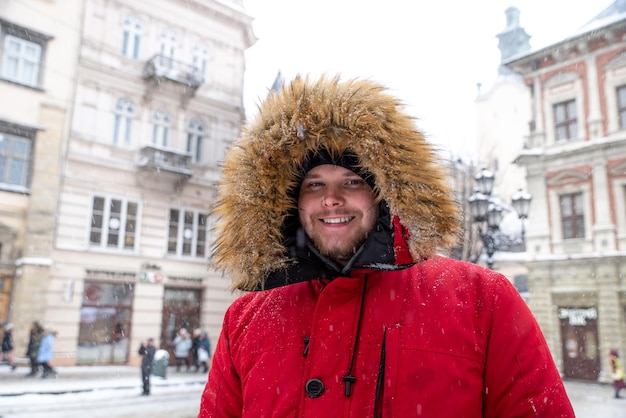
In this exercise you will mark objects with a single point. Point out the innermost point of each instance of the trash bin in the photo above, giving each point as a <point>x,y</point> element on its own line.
<point>161,360</point>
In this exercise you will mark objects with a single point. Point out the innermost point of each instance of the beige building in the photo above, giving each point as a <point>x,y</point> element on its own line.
<point>38,44</point>
<point>575,158</point>
<point>155,100</point>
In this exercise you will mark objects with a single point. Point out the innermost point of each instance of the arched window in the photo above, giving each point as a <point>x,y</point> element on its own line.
<point>200,61</point>
<point>123,121</point>
<point>161,127</point>
<point>195,138</point>
<point>167,48</point>
<point>131,36</point>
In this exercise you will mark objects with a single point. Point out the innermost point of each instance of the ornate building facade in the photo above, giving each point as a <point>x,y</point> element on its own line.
<point>153,97</point>
<point>575,160</point>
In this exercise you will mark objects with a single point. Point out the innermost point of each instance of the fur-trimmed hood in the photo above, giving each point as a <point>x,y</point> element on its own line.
<point>263,169</point>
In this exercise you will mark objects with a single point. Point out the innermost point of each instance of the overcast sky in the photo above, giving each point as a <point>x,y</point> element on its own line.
<point>430,54</point>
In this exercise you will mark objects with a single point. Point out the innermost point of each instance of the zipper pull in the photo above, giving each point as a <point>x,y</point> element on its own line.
<point>307,340</point>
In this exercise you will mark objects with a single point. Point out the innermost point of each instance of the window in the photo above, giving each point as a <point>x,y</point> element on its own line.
<point>122,121</point>
<point>21,61</point>
<point>16,154</point>
<point>565,120</point>
<point>131,37</point>
<point>621,106</point>
<point>572,216</point>
<point>161,127</point>
<point>187,233</point>
<point>200,61</point>
<point>22,51</point>
<point>195,137</point>
<point>105,322</point>
<point>167,48</point>
<point>113,223</point>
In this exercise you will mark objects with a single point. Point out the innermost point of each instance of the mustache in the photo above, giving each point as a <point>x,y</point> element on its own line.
<point>344,212</point>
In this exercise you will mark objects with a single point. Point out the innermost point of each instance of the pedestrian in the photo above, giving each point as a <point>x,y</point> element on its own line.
<point>182,347</point>
<point>6,353</point>
<point>617,372</point>
<point>147,351</point>
<point>204,351</point>
<point>45,353</point>
<point>34,340</point>
<point>195,346</point>
<point>332,214</point>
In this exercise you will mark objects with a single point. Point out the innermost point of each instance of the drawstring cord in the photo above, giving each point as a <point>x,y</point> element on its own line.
<point>349,378</point>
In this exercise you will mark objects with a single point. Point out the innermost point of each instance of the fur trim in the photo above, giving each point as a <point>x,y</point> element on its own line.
<point>261,171</point>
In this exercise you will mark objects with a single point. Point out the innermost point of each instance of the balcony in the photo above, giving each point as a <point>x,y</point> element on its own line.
<point>161,68</point>
<point>153,158</point>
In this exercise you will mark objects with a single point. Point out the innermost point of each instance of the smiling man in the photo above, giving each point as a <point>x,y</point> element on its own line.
<point>337,210</point>
<point>333,210</point>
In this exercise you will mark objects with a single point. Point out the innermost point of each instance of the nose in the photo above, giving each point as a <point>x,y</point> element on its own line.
<point>332,197</point>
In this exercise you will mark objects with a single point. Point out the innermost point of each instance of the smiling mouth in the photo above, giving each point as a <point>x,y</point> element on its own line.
<point>337,220</point>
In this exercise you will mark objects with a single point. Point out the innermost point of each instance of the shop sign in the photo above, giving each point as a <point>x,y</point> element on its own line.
<point>578,316</point>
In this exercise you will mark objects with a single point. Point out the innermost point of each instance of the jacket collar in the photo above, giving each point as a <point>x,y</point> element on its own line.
<point>383,250</point>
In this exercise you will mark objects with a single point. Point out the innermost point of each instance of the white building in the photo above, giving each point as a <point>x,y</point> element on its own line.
<point>154,98</point>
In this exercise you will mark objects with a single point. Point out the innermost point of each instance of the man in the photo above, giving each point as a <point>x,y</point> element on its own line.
<point>332,209</point>
<point>32,350</point>
<point>146,351</point>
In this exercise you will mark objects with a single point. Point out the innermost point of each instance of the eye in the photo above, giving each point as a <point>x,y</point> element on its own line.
<point>355,181</point>
<point>314,184</point>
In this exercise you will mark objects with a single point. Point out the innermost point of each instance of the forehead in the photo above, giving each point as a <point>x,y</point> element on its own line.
<point>330,171</point>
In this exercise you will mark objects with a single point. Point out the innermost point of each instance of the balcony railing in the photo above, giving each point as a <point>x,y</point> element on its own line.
<point>160,66</point>
<point>168,160</point>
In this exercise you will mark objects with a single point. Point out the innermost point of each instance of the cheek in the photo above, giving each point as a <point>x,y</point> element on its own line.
<point>306,204</point>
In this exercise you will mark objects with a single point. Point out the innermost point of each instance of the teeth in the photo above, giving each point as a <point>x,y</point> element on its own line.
<point>336,220</point>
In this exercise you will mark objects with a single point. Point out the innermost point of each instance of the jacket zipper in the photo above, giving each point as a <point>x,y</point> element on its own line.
<point>378,413</point>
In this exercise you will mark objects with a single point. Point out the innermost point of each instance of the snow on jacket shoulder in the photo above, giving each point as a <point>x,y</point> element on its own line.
<point>440,339</point>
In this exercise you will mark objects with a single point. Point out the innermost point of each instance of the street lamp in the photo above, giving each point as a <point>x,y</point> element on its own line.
<point>487,212</point>
<point>521,204</point>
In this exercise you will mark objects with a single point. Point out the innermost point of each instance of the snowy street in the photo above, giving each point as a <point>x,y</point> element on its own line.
<point>114,392</point>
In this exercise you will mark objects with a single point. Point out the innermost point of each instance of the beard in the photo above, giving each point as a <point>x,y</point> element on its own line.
<point>343,248</point>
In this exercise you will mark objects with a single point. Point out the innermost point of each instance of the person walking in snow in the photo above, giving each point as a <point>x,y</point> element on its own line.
<point>6,351</point>
<point>46,352</point>
<point>617,372</point>
<point>146,351</point>
<point>332,213</point>
<point>32,350</point>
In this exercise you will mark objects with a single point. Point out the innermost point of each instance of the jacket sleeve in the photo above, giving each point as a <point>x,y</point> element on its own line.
<point>222,396</point>
<point>521,379</point>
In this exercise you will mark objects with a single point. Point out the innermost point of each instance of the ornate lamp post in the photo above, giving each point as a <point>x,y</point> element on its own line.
<point>521,204</point>
<point>487,213</point>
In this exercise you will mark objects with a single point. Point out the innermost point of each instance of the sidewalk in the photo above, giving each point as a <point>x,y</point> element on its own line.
<point>78,379</point>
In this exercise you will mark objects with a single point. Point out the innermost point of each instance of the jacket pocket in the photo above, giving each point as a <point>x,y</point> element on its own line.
<point>430,380</point>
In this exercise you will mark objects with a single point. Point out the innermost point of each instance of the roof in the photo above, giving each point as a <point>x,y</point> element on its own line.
<point>613,14</point>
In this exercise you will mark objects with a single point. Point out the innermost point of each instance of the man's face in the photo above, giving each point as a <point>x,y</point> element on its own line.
<point>337,210</point>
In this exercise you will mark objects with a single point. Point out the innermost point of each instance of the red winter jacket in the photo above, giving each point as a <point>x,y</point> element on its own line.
<point>387,334</point>
<point>442,338</point>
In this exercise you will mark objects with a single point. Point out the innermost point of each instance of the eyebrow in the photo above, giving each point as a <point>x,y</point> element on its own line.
<point>348,174</point>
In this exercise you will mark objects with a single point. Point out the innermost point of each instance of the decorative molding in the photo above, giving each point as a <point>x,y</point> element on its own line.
<point>568,176</point>
<point>618,169</point>
<point>618,62</point>
<point>561,78</point>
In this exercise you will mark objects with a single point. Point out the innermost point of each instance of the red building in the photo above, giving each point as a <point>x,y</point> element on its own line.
<point>575,160</point>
